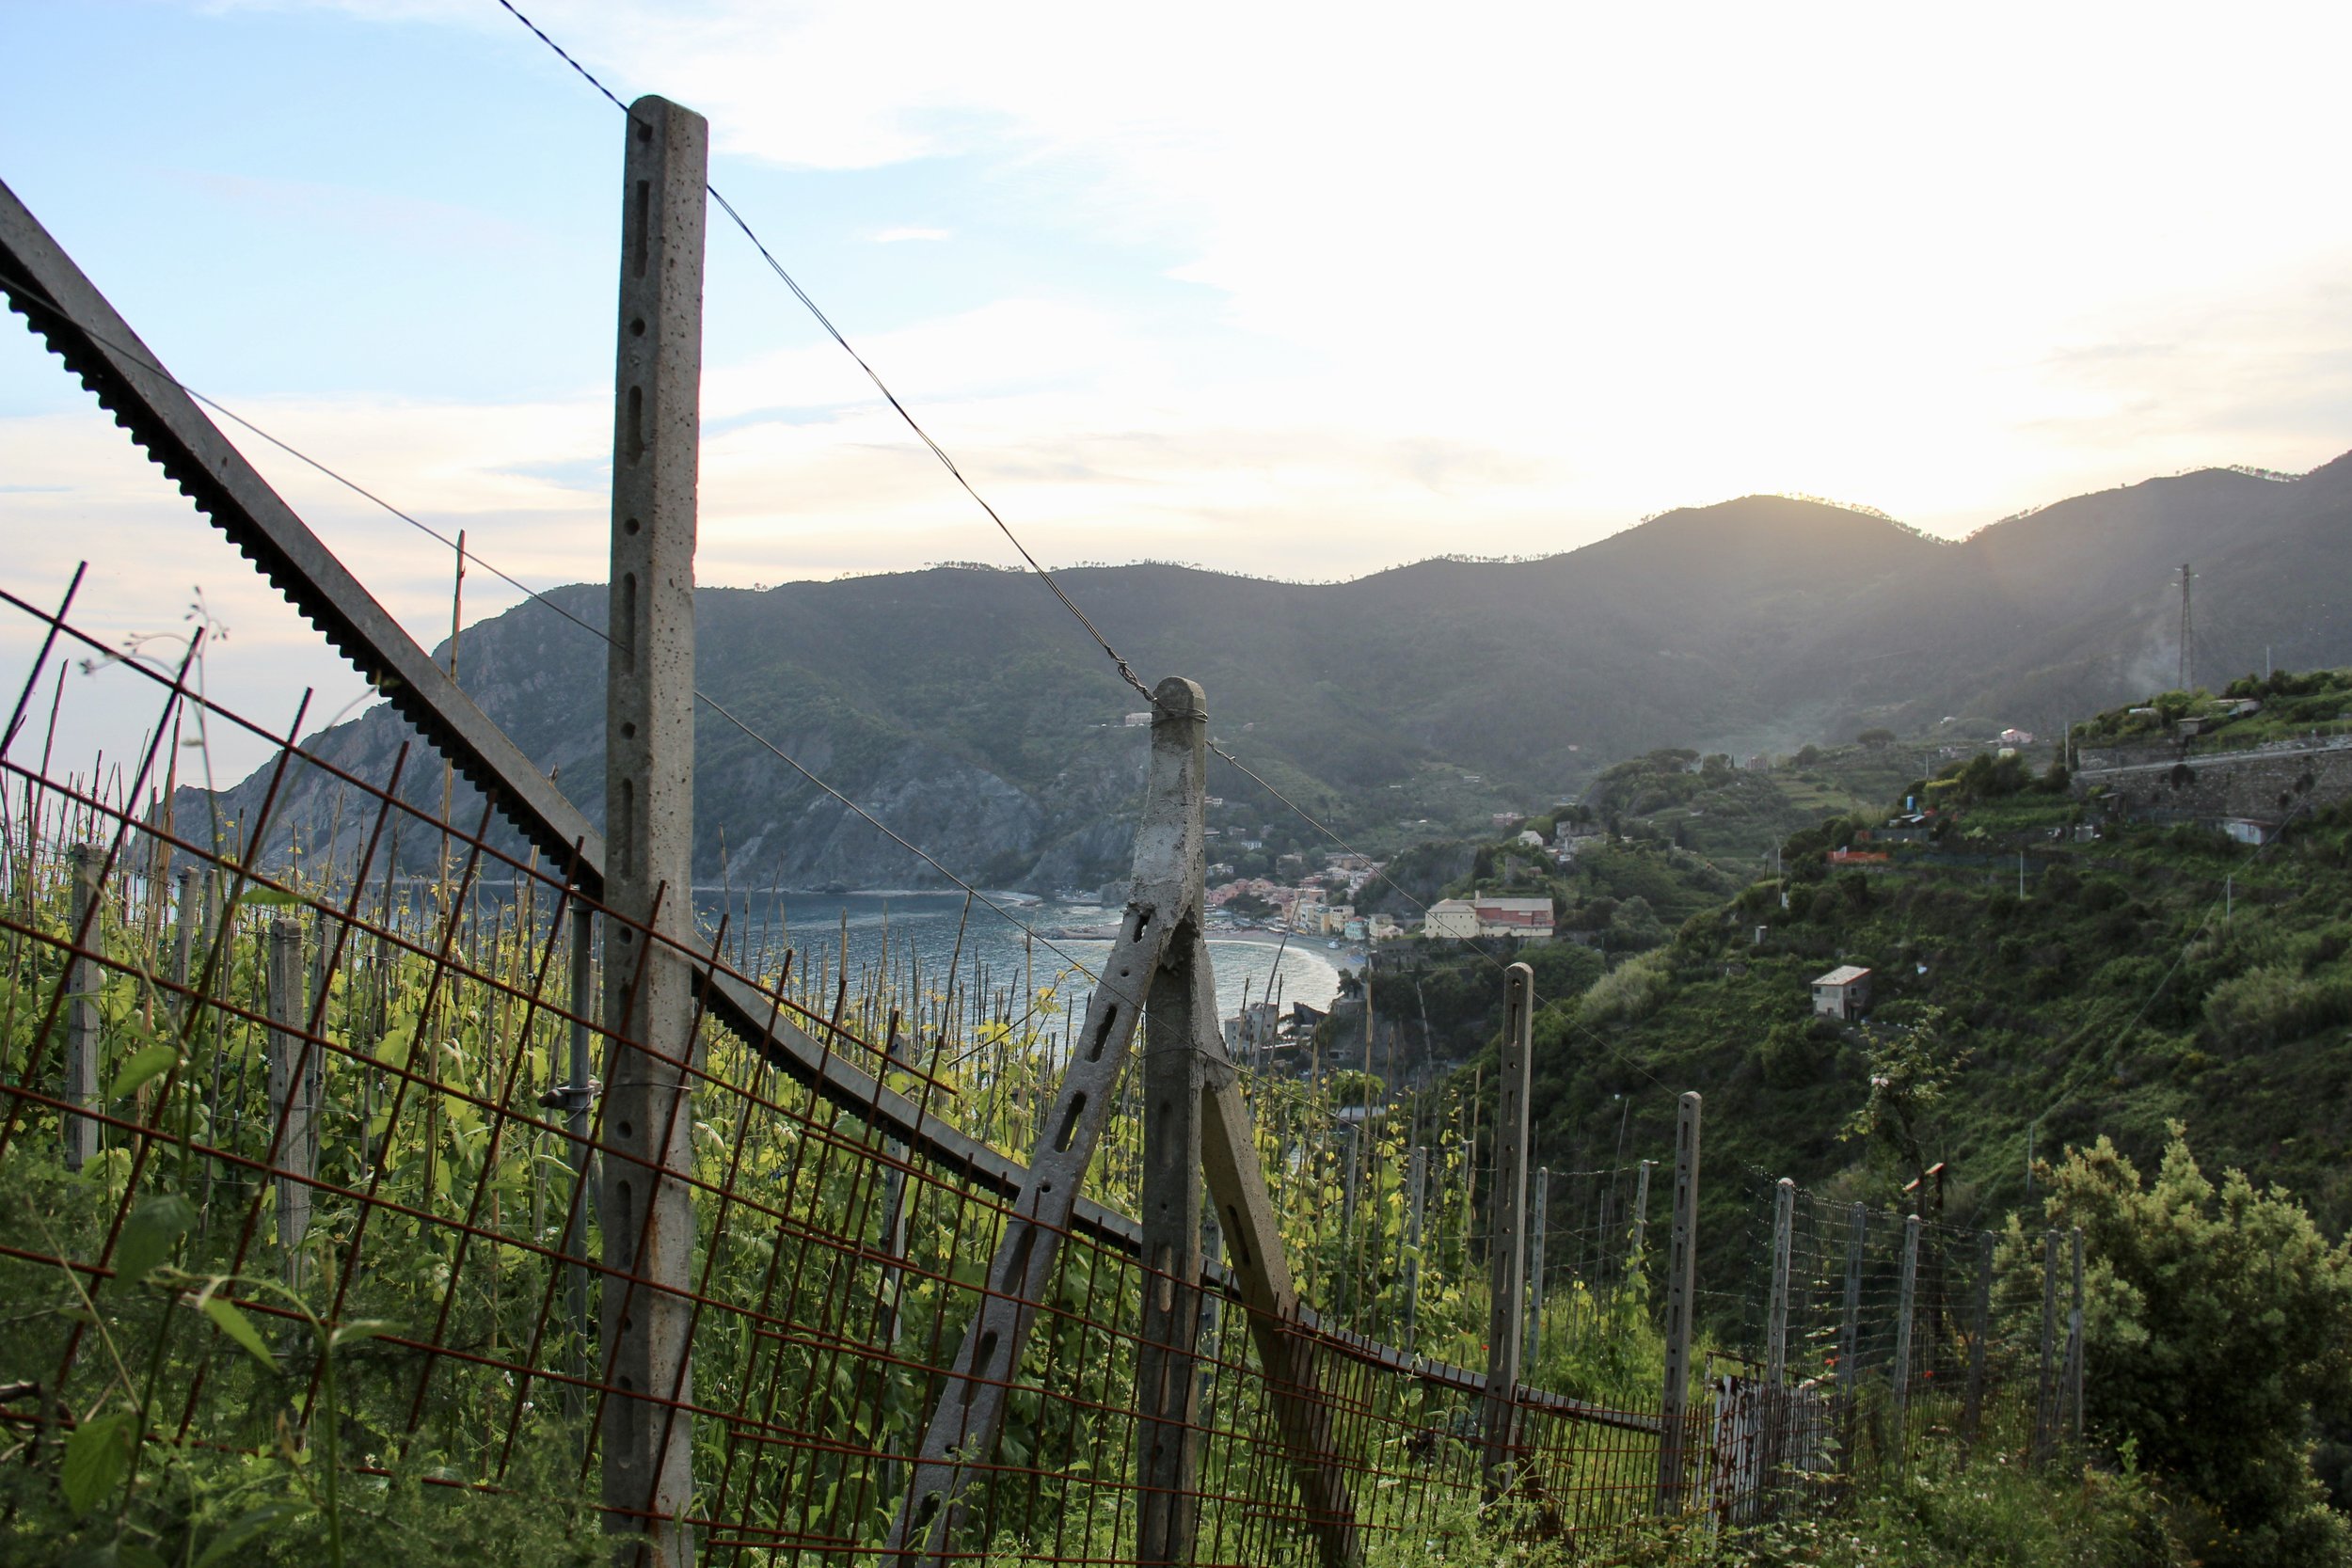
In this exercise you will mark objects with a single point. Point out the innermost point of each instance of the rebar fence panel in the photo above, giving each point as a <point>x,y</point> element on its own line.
<point>1906,1342</point>
<point>259,1091</point>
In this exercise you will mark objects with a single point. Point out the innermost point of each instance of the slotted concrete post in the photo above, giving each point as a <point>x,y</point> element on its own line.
<point>648,1213</point>
<point>1506,1243</point>
<point>81,1013</point>
<point>1179,1006</point>
<point>1674,1446</point>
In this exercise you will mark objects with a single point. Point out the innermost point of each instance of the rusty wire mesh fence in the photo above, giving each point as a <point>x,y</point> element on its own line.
<point>1865,1343</point>
<point>309,1093</point>
<point>298,1144</point>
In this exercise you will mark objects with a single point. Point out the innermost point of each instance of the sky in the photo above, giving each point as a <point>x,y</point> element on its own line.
<point>1291,290</point>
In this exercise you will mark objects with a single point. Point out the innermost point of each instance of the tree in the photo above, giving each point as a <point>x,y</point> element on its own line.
<point>1876,738</point>
<point>2214,1328</point>
<point>1912,1067</point>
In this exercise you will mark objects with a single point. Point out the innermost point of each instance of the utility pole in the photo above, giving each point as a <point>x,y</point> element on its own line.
<point>644,1200</point>
<point>2188,665</point>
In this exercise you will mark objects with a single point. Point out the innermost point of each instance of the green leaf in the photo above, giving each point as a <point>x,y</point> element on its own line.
<point>243,1527</point>
<point>97,1457</point>
<point>149,1234</point>
<point>269,895</point>
<point>140,1066</point>
<point>239,1327</point>
<point>360,1328</point>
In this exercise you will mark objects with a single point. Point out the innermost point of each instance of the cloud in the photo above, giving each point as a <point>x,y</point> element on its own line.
<point>1500,280</point>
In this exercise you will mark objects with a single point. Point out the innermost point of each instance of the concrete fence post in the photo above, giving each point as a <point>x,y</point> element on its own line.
<point>81,1012</point>
<point>2075,1350</point>
<point>1674,1444</point>
<point>1776,1310</point>
<point>646,1207</point>
<point>183,934</point>
<point>2045,1416</point>
<point>1981,1328</point>
<point>1179,1007</point>
<point>1899,1375</point>
<point>1417,1180</point>
<point>294,1074</point>
<point>1776,1403</point>
<point>1850,1324</point>
<point>1506,1242</point>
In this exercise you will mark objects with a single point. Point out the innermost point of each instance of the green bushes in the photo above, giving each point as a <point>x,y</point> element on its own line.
<point>2278,1002</point>
<point>1630,992</point>
<point>2215,1321</point>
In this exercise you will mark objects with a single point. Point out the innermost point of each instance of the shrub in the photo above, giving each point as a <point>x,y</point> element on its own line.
<point>2278,1002</point>
<point>1630,992</point>
<point>2213,1326</point>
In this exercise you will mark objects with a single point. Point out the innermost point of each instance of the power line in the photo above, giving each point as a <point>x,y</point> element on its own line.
<point>1126,672</point>
<point>20,287</point>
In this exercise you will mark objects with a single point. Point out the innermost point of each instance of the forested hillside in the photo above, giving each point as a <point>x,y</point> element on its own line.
<point>964,708</point>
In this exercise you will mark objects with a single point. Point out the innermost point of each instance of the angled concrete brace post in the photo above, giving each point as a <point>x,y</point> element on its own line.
<point>965,1422</point>
<point>1899,1375</point>
<point>1506,1242</point>
<point>1259,1267</point>
<point>1673,1442</point>
<point>649,1221</point>
<point>1181,1012</point>
<point>81,1014</point>
<point>1972,1409</point>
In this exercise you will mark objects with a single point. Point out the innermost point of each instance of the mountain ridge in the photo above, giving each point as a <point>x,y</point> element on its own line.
<point>961,707</point>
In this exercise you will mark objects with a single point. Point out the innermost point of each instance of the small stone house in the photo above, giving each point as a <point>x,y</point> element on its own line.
<point>1843,993</point>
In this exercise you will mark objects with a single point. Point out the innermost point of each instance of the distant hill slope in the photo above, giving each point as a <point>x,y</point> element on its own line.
<point>965,709</point>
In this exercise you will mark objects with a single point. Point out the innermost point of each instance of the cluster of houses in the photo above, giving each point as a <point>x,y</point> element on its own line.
<point>1316,909</point>
<point>1488,916</point>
